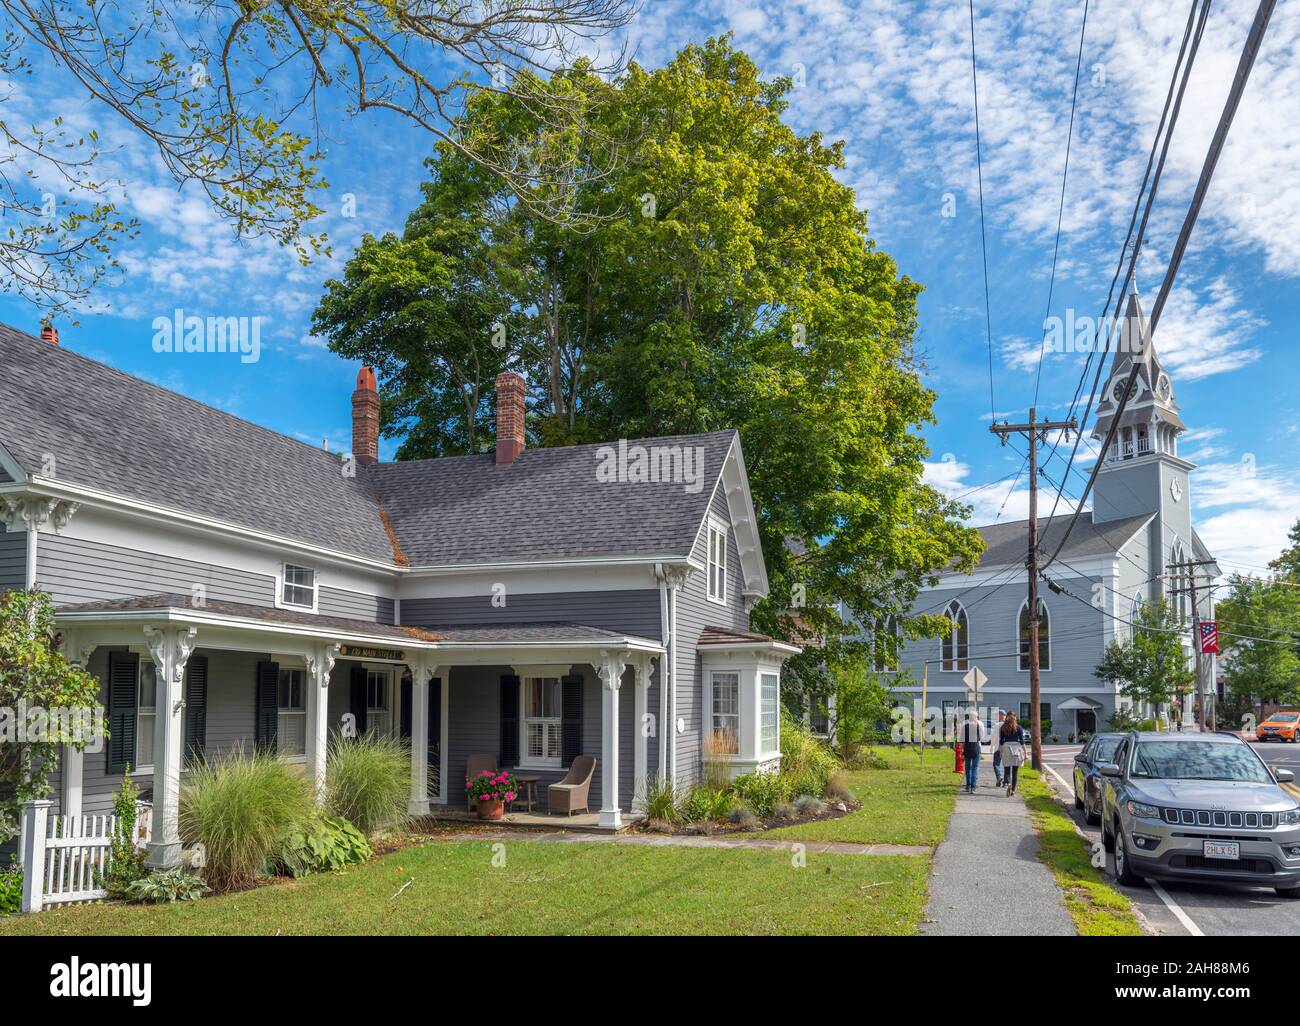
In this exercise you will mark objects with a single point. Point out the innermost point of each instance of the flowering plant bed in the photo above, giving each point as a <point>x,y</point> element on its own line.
<point>492,786</point>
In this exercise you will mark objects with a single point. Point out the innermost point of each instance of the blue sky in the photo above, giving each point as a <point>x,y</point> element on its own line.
<point>894,82</point>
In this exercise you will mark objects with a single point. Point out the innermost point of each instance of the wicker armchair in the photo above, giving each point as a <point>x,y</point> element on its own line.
<point>570,794</point>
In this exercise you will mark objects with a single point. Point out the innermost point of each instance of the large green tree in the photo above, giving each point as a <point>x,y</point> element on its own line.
<point>1260,628</point>
<point>1151,664</point>
<point>729,281</point>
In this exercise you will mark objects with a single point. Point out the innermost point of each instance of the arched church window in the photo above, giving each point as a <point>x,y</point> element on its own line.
<point>1044,636</point>
<point>954,648</point>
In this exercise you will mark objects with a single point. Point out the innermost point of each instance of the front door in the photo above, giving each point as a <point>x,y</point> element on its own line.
<point>1086,721</point>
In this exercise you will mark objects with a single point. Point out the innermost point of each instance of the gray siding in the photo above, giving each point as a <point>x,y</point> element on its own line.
<point>474,727</point>
<point>1076,648</point>
<point>73,570</point>
<point>13,560</point>
<point>694,613</point>
<point>634,612</point>
<point>355,605</point>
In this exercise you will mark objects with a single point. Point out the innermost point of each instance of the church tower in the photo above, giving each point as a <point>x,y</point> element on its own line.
<point>1141,473</point>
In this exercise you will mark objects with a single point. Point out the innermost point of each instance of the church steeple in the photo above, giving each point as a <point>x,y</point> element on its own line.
<point>1150,422</point>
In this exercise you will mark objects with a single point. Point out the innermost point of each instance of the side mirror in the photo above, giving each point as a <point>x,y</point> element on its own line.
<point>1080,758</point>
<point>1284,776</point>
<point>1109,769</point>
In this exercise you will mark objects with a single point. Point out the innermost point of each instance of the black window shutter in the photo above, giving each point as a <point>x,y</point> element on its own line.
<point>196,707</point>
<point>358,698</point>
<point>435,719</point>
<point>509,755</point>
<point>404,719</point>
<point>570,719</point>
<point>123,678</point>
<point>268,693</point>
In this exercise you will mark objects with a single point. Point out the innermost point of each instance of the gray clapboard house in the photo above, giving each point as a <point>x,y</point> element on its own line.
<point>1116,557</point>
<point>233,587</point>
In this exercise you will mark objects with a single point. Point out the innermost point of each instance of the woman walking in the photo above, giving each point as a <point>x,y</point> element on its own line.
<point>1011,743</point>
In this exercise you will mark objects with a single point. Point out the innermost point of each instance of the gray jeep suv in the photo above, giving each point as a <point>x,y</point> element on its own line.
<point>1196,806</point>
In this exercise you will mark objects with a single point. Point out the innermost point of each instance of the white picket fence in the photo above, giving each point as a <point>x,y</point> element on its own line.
<point>65,857</point>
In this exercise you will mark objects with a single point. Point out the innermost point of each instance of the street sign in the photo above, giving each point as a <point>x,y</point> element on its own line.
<point>975,680</point>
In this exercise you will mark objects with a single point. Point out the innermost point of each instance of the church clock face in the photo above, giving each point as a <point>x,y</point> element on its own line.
<point>1117,392</point>
<point>1176,490</point>
<point>1163,389</point>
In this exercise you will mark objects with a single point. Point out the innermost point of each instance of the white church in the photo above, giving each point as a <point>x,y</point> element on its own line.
<point>1115,558</point>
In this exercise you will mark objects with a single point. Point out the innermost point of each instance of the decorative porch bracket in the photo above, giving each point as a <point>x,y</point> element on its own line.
<point>170,650</point>
<point>320,664</point>
<point>610,669</point>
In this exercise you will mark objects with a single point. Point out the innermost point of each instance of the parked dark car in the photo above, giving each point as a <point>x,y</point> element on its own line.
<point>1100,749</point>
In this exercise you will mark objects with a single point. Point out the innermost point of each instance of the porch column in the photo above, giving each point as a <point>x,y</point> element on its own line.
<point>640,731</point>
<point>611,673</point>
<point>170,648</point>
<point>77,650</point>
<point>320,663</point>
<point>421,672</point>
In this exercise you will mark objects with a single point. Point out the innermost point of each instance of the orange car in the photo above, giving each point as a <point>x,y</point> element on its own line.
<point>1281,726</point>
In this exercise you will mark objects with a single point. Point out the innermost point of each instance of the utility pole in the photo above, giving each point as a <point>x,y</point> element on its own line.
<point>1190,566</point>
<point>1035,431</point>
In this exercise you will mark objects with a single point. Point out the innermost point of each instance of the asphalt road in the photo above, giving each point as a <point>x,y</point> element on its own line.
<point>1180,909</point>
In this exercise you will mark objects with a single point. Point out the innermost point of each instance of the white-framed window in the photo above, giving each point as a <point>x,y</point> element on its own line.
<point>717,562</point>
<point>769,712</point>
<point>291,710</point>
<point>541,723</point>
<point>379,716</point>
<point>298,587</point>
<point>726,711</point>
<point>1044,636</point>
<point>146,712</point>
<point>954,646</point>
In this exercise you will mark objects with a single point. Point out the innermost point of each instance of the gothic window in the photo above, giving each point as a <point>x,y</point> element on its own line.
<point>1044,636</point>
<point>955,644</point>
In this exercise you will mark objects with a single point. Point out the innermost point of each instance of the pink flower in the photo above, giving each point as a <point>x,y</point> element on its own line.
<point>510,796</point>
<point>486,773</point>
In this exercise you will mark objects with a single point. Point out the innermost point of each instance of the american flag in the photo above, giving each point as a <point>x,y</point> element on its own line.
<point>1209,637</point>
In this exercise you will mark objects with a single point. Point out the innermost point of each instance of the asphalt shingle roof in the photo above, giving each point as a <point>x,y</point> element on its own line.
<point>1005,543</point>
<point>548,504</point>
<point>122,435</point>
<point>125,436</point>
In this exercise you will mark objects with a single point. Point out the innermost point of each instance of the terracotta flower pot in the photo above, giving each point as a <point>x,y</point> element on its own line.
<point>488,809</point>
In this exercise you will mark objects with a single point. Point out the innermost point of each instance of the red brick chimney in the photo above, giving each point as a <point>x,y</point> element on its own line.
<point>365,419</point>
<point>49,333</point>
<point>510,417</point>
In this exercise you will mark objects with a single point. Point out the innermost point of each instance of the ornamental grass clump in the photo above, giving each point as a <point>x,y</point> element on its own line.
<point>237,811</point>
<point>368,782</point>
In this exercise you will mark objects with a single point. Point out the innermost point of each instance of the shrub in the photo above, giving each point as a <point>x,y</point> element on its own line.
<point>11,888</point>
<point>807,804</point>
<point>326,844</point>
<point>742,816</point>
<point>837,788</point>
<point>761,791</point>
<point>804,757</point>
<point>167,885</point>
<point>368,781</point>
<point>241,809</point>
<point>718,744</point>
<point>784,810</point>
<point>126,860</point>
<point>704,803</point>
<point>661,801</point>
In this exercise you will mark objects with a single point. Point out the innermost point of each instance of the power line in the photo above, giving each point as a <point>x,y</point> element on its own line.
<point>1060,211</point>
<point>1244,66</point>
<point>979,169</point>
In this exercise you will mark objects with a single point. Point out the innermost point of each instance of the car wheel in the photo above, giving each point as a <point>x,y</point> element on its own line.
<point>1107,842</point>
<point>1090,817</point>
<point>1123,871</point>
<point>1287,892</point>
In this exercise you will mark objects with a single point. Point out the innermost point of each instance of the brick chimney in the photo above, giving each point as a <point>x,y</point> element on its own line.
<point>49,333</point>
<point>510,417</point>
<point>365,419</point>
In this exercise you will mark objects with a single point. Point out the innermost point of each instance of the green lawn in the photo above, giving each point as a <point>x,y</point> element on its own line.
<point>908,803</point>
<point>1098,910</point>
<point>545,888</point>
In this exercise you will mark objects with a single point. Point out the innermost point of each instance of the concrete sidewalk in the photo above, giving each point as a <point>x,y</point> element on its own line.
<point>986,879</point>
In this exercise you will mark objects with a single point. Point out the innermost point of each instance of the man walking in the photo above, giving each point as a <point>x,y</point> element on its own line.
<point>997,749</point>
<point>972,734</point>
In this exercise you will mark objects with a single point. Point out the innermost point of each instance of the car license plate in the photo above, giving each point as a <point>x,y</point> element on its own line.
<point>1222,849</point>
